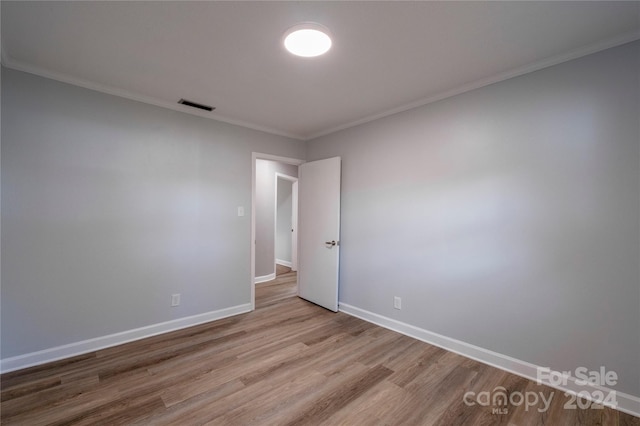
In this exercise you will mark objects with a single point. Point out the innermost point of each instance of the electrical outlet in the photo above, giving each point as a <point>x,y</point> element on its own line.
<point>175,299</point>
<point>397,302</point>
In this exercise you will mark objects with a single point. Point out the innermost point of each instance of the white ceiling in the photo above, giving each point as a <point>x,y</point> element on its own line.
<point>386,57</point>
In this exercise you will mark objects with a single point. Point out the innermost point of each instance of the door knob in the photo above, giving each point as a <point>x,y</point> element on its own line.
<point>331,243</point>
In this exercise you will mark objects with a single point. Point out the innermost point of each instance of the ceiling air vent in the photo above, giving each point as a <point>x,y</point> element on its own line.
<point>195,105</point>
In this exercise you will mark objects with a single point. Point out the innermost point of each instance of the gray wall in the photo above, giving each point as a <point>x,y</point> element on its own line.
<point>109,206</point>
<point>265,212</point>
<point>283,220</point>
<point>505,217</point>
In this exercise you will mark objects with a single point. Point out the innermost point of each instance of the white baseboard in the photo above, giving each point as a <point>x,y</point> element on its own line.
<point>627,403</point>
<point>91,345</point>
<point>284,263</point>
<point>264,278</point>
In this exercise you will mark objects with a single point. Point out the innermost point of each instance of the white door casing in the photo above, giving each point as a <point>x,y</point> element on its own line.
<point>294,226</point>
<point>254,157</point>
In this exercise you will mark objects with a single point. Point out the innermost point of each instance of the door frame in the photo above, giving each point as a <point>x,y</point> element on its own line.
<point>294,219</point>
<point>260,156</point>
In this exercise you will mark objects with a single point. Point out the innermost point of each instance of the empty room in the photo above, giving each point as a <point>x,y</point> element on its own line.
<point>320,213</point>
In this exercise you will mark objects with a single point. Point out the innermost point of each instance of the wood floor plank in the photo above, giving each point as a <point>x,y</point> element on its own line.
<point>339,395</point>
<point>64,411</point>
<point>39,372</point>
<point>203,409</point>
<point>372,405</point>
<point>288,362</point>
<point>47,397</point>
<point>119,411</point>
<point>30,387</point>
<point>628,420</point>
<point>267,407</point>
<point>156,358</point>
<point>214,378</point>
<point>467,411</point>
<point>196,410</point>
<point>405,373</point>
<point>435,402</point>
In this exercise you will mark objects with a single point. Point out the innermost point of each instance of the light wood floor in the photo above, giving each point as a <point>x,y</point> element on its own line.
<point>281,270</point>
<point>289,362</point>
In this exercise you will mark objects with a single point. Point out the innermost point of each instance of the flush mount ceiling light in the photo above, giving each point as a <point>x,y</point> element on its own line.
<point>307,40</point>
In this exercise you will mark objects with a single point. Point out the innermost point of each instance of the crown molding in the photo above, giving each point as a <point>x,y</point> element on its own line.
<point>9,62</point>
<point>516,72</point>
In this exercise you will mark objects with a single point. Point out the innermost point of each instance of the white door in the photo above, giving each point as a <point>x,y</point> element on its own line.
<point>319,232</point>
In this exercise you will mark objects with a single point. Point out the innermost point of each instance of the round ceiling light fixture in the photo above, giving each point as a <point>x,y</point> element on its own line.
<point>307,40</point>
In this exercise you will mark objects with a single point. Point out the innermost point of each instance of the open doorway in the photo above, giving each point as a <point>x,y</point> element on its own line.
<point>274,245</point>
<point>286,226</point>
